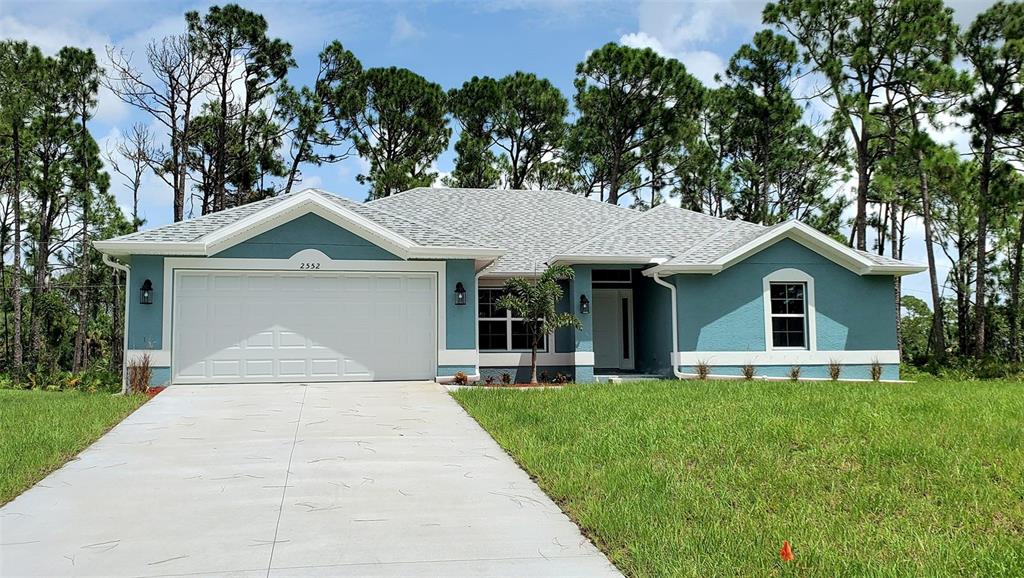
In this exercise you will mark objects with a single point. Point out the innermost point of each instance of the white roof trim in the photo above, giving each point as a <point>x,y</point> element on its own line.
<point>803,234</point>
<point>300,204</point>
<point>606,259</point>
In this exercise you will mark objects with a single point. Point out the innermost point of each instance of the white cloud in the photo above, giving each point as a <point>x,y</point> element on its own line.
<point>686,30</point>
<point>403,29</point>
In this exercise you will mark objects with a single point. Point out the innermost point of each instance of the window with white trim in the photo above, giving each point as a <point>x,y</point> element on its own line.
<point>788,315</point>
<point>499,331</point>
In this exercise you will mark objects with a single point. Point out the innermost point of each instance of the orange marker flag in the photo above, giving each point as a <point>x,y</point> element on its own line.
<point>786,552</point>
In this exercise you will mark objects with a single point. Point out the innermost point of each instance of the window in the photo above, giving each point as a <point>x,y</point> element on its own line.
<point>621,276</point>
<point>499,331</point>
<point>788,315</point>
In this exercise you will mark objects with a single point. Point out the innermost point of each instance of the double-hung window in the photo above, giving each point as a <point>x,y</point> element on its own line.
<point>499,331</point>
<point>788,315</point>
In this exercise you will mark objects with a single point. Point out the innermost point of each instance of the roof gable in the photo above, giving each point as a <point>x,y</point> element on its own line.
<point>856,261</point>
<point>218,232</point>
<point>308,231</point>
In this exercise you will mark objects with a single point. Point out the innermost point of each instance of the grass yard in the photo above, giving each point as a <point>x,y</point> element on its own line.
<point>41,430</point>
<point>708,478</point>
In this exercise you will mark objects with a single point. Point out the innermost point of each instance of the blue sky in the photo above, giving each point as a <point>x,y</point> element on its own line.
<point>447,42</point>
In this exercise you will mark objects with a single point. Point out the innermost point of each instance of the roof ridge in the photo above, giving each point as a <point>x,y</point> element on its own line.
<point>559,191</point>
<point>733,224</point>
<point>408,220</point>
<point>639,215</point>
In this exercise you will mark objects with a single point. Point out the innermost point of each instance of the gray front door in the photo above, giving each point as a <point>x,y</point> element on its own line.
<point>613,328</point>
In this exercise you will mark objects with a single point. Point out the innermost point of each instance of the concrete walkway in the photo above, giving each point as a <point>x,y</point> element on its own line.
<point>371,479</point>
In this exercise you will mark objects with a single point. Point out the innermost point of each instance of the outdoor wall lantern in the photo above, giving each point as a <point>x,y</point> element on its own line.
<point>584,304</point>
<point>146,293</point>
<point>460,294</point>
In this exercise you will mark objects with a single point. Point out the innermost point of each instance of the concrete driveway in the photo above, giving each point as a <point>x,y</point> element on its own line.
<point>371,479</point>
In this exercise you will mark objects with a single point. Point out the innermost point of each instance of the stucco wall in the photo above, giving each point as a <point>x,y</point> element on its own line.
<point>310,231</point>
<point>652,329</point>
<point>725,312</point>
<point>145,322</point>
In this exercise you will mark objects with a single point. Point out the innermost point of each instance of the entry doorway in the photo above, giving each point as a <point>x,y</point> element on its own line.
<point>614,346</point>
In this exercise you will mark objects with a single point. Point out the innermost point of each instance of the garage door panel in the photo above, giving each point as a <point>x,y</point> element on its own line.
<point>259,368</point>
<point>289,326</point>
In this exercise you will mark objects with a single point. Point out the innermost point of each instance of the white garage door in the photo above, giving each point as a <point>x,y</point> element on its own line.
<point>250,326</point>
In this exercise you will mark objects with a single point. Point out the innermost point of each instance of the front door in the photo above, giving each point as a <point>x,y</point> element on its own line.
<point>613,328</point>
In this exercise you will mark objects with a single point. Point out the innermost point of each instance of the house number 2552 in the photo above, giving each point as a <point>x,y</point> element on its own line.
<point>309,265</point>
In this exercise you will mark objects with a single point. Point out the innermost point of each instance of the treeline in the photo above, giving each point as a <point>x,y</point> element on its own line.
<point>823,94</point>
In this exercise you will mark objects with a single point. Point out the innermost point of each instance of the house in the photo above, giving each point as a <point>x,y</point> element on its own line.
<point>310,286</point>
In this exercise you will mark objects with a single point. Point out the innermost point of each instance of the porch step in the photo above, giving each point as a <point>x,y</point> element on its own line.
<point>623,377</point>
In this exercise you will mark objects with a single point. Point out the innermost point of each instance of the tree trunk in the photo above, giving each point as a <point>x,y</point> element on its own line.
<point>982,257</point>
<point>533,364</point>
<point>18,356</point>
<point>1015,278</point>
<point>613,182</point>
<point>860,226</point>
<point>81,356</point>
<point>937,338</point>
<point>897,253</point>
<point>116,329</point>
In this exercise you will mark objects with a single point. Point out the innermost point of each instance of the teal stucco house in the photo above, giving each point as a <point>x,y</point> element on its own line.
<point>314,287</point>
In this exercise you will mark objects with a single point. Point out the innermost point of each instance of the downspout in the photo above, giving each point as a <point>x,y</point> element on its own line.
<point>124,346</point>
<point>675,325</point>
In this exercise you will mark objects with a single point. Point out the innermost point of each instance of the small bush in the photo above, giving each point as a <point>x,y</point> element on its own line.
<point>543,377</point>
<point>460,378</point>
<point>561,377</point>
<point>834,369</point>
<point>489,380</point>
<point>876,370</point>
<point>748,371</point>
<point>794,372</point>
<point>702,369</point>
<point>506,378</point>
<point>140,372</point>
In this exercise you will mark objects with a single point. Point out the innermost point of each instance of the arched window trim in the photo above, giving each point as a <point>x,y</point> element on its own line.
<point>790,275</point>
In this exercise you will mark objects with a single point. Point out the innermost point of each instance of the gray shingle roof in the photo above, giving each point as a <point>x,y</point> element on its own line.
<point>532,225</point>
<point>197,228</point>
<point>668,231</point>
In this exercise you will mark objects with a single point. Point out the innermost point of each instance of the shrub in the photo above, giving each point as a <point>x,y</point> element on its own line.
<point>140,372</point>
<point>506,378</point>
<point>543,377</point>
<point>834,369</point>
<point>561,377</point>
<point>794,372</point>
<point>489,380</point>
<point>460,378</point>
<point>748,371</point>
<point>876,370</point>
<point>703,369</point>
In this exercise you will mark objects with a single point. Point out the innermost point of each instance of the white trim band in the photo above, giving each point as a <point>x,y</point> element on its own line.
<point>458,357</point>
<point>785,357</point>
<point>157,357</point>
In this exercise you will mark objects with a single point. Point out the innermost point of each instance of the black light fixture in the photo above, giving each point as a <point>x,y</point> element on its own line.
<point>584,304</point>
<point>460,294</point>
<point>146,293</point>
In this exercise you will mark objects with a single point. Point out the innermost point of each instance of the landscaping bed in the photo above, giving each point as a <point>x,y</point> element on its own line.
<point>44,429</point>
<point>709,478</point>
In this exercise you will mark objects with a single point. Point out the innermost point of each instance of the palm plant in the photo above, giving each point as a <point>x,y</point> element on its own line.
<point>534,301</point>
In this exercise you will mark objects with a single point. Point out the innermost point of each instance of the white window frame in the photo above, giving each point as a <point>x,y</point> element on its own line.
<point>508,319</point>
<point>810,325</point>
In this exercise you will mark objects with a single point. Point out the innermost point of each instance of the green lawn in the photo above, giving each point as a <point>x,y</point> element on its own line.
<point>40,430</point>
<point>708,478</point>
